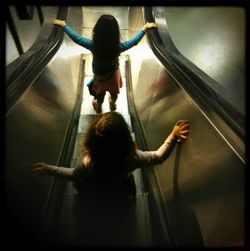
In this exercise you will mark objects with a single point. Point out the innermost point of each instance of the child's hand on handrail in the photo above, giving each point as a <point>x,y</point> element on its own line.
<point>149,25</point>
<point>60,23</point>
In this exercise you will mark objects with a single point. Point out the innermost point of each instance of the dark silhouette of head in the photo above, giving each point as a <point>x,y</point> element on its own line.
<point>106,38</point>
<point>108,142</point>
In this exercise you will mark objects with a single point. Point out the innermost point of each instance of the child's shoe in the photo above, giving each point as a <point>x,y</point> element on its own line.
<point>96,106</point>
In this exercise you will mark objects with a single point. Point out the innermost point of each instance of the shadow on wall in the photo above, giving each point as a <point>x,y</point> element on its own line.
<point>185,225</point>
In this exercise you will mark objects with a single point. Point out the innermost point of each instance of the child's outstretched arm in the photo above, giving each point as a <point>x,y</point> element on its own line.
<point>137,38</point>
<point>77,38</point>
<point>40,169</point>
<point>179,133</point>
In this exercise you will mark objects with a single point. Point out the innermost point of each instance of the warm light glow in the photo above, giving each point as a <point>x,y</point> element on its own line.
<point>70,51</point>
<point>208,57</point>
<point>141,51</point>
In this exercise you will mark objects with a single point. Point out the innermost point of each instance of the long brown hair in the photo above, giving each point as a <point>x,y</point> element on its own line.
<point>107,144</point>
<point>106,38</point>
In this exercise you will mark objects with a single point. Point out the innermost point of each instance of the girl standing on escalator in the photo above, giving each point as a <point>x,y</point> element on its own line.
<point>106,48</point>
<point>109,158</point>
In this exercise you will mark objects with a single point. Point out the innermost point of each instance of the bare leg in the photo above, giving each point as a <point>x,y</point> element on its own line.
<point>97,103</point>
<point>112,99</point>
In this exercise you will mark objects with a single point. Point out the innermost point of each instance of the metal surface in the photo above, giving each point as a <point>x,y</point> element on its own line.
<point>21,73</point>
<point>27,31</point>
<point>209,176</point>
<point>213,38</point>
<point>202,182</point>
<point>35,131</point>
<point>205,92</point>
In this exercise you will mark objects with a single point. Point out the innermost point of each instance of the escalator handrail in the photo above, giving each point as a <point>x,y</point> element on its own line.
<point>22,72</point>
<point>199,82</point>
<point>55,194</point>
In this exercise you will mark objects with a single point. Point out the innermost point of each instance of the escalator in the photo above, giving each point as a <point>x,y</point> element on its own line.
<point>180,203</point>
<point>202,182</point>
<point>41,116</point>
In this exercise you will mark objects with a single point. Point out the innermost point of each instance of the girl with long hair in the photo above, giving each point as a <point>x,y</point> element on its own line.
<point>110,156</point>
<point>106,48</point>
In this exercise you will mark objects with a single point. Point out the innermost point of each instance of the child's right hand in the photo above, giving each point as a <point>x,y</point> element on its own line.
<point>151,25</point>
<point>38,169</point>
<point>59,22</point>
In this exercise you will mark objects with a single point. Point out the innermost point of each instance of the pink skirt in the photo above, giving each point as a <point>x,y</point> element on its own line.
<point>112,84</point>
